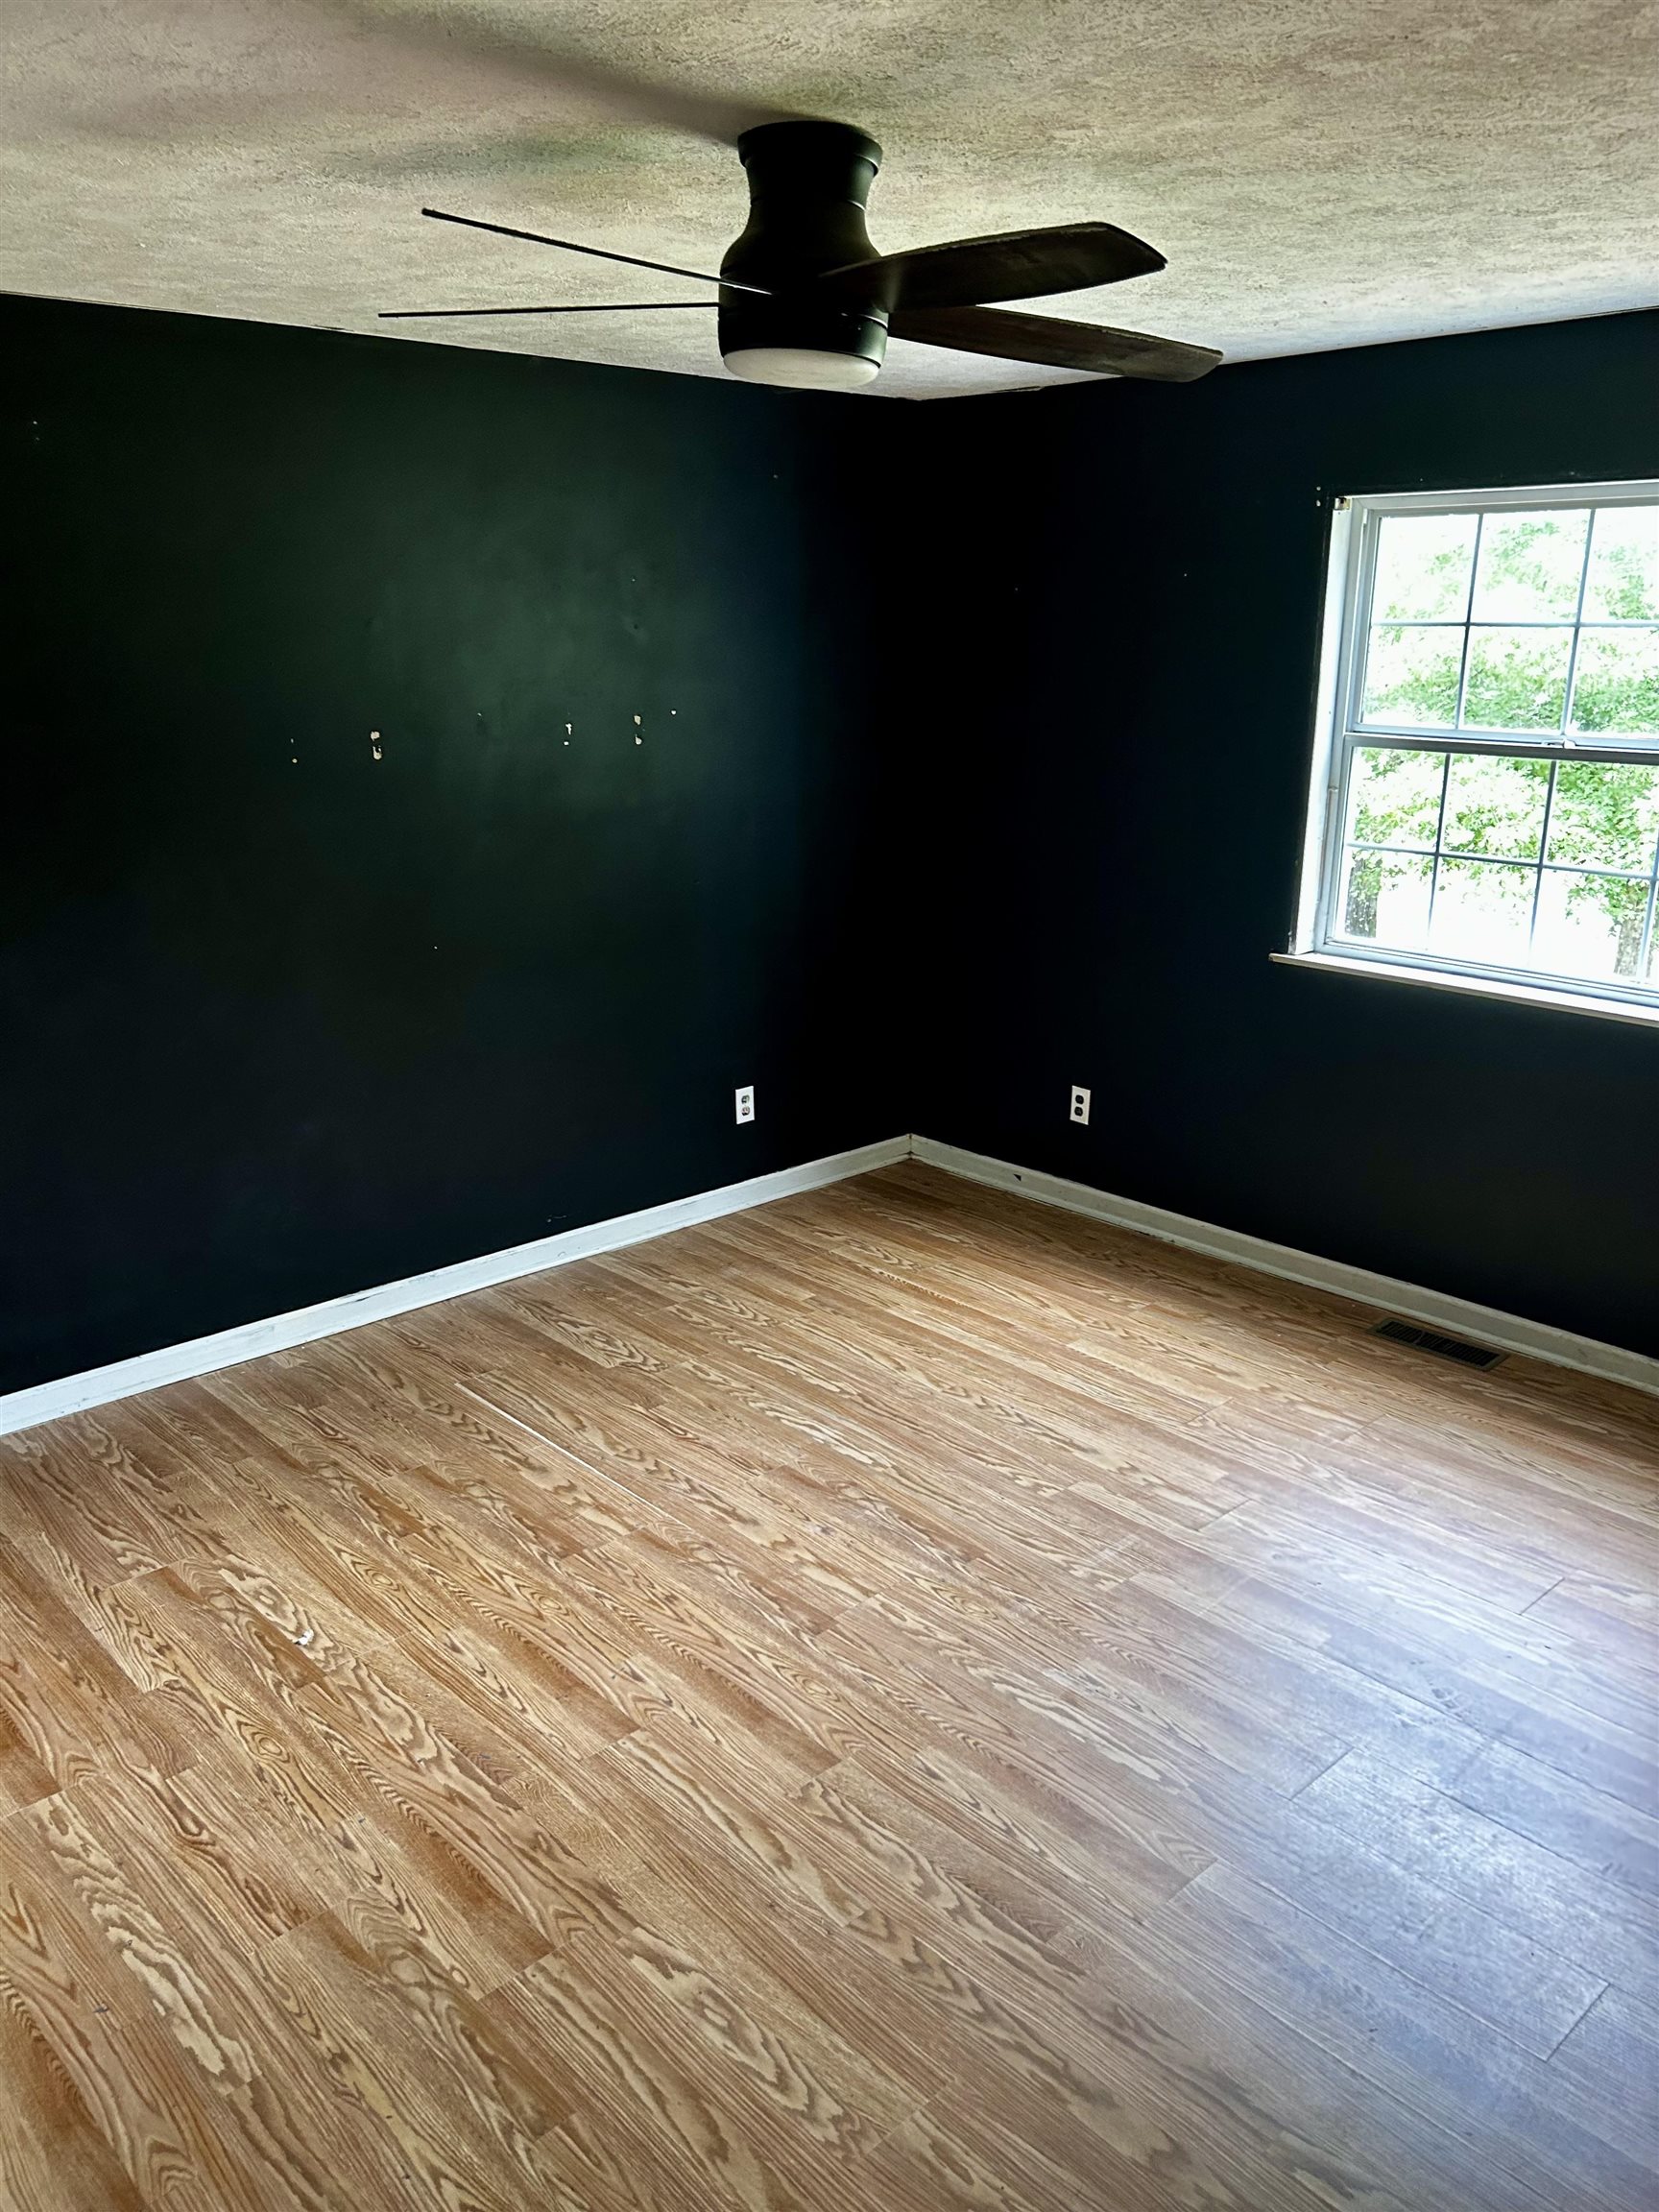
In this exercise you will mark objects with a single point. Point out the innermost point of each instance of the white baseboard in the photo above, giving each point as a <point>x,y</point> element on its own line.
<point>228,1347</point>
<point>1436,1308</point>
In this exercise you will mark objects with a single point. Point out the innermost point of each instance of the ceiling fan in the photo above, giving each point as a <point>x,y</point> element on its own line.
<point>805,298</point>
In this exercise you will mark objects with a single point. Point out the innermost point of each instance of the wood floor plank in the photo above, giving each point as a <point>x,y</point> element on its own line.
<point>767,1939</point>
<point>1612,2057</point>
<point>900,1700</point>
<point>1479,1687</point>
<point>625,2060</point>
<point>1601,1925</point>
<point>1594,1829</point>
<point>1003,2018</point>
<point>198,1987</point>
<point>456,2116</point>
<point>1425,2055</point>
<point>72,2017</point>
<point>359,1848</point>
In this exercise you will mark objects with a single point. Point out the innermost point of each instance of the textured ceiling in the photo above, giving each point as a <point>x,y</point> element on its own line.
<point>1318,172</point>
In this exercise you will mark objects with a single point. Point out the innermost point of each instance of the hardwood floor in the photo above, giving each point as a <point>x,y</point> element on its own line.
<point>899,1700</point>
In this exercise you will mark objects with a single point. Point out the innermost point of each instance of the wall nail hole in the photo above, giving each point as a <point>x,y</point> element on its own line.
<point>375,744</point>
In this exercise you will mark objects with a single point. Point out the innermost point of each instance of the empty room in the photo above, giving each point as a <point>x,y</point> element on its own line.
<point>830,1152</point>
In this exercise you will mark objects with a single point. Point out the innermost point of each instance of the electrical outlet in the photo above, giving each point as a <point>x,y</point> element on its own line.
<point>1079,1104</point>
<point>746,1102</point>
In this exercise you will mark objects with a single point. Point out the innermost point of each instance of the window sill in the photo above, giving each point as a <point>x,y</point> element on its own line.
<point>1477,986</point>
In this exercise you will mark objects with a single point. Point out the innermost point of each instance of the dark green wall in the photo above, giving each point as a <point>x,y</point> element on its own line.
<point>1114,781</point>
<point>282,1019</point>
<point>974,751</point>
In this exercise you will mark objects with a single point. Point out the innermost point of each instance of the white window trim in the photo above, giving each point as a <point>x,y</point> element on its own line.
<point>1564,1000</point>
<point>1347,580</point>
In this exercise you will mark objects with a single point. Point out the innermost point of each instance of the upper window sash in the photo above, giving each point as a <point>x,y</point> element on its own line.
<point>1358,621</point>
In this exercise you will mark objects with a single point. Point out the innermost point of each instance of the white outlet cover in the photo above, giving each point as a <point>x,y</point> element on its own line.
<point>1079,1103</point>
<point>746,1102</point>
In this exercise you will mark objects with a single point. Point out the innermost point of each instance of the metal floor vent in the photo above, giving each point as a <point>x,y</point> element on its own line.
<point>1432,1340</point>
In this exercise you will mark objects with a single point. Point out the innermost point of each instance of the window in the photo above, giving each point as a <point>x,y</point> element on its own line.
<point>1486,791</point>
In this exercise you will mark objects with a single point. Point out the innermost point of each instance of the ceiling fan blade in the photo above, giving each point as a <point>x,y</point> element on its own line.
<point>1016,265</point>
<point>1055,344</point>
<point>599,253</point>
<point>603,307</point>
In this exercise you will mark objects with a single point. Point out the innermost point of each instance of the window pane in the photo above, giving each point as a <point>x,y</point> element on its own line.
<point>1616,685</point>
<point>1530,565</point>
<point>1482,911</point>
<point>1624,580</point>
<point>1394,797</point>
<point>1591,925</point>
<point>1411,677</point>
<point>1495,805</point>
<point>1605,814</point>
<point>1386,900</point>
<point>1422,567</point>
<point>1517,679</point>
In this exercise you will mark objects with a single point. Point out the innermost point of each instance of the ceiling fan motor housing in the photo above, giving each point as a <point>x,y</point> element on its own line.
<point>809,184</point>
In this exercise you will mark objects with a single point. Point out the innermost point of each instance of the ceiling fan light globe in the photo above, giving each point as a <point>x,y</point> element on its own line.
<point>803,368</point>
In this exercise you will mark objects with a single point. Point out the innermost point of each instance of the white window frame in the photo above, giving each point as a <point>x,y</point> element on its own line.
<point>1339,730</point>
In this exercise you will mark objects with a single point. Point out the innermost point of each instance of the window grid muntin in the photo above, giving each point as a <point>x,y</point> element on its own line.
<point>1353,649</point>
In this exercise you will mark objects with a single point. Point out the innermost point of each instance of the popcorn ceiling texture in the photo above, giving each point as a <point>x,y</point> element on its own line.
<point>1320,173</point>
